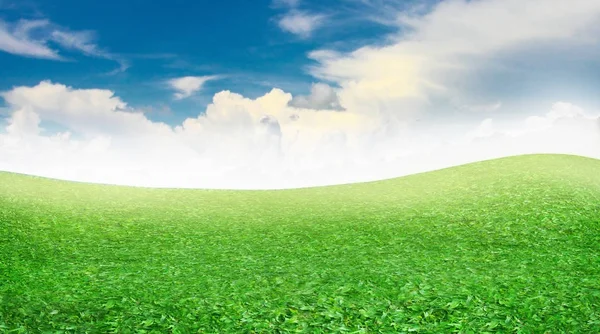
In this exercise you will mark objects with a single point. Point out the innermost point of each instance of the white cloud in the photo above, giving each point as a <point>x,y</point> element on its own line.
<point>477,27</point>
<point>187,86</point>
<point>16,39</point>
<point>88,112</point>
<point>435,54</point>
<point>300,23</point>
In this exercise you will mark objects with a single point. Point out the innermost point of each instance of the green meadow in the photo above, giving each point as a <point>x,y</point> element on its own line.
<point>509,245</point>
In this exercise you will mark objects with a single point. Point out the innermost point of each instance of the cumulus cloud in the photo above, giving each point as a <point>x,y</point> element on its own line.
<point>235,142</point>
<point>187,86</point>
<point>301,23</point>
<point>322,97</point>
<point>88,112</point>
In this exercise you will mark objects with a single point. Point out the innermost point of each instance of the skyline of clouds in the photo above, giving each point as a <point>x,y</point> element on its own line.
<point>261,143</point>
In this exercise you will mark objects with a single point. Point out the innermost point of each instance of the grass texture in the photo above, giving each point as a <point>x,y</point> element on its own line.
<point>508,245</point>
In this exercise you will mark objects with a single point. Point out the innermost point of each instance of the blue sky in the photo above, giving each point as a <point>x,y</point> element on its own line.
<point>279,93</point>
<point>239,39</point>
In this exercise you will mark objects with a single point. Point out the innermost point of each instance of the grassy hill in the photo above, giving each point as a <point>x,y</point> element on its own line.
<point>508,245</point>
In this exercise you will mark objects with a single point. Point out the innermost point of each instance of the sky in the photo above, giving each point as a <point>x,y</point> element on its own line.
<point>291,93</point>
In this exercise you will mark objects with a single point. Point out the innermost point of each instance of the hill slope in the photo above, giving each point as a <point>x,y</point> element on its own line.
<point>504,245</point>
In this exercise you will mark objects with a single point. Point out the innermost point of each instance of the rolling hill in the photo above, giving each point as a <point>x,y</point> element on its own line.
<point>506,245</point>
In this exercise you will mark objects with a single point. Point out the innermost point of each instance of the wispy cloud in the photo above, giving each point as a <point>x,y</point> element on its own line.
<point>188,85</point>
<point>35,38</point>
<point>16,39</point>
<point>83,41</point>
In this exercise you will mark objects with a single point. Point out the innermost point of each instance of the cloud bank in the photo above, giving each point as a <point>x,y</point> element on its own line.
<point>255,143</point>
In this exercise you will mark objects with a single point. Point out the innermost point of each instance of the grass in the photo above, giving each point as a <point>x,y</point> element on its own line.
<point>508,245</point>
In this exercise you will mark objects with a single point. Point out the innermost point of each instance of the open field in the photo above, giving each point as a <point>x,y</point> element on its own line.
<point>507,245</point>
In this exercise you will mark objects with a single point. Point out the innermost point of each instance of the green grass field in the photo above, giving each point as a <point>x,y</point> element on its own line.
<point>507,245</point>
